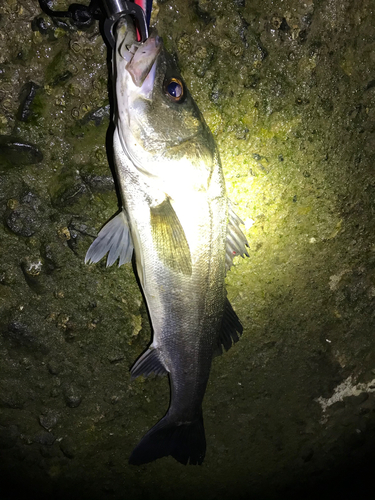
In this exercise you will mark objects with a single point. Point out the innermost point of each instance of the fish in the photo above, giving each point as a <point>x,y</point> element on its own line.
<point>176,217</point>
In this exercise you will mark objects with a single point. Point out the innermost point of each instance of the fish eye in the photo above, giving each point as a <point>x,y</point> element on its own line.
<point>174,89</point>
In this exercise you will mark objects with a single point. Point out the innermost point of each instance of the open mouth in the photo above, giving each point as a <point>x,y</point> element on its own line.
<point>139,57</point>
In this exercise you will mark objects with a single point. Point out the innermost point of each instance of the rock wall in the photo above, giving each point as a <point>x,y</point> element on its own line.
<point>288,89</point>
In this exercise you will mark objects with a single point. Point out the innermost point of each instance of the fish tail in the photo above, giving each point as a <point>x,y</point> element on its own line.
<point>185,442</point>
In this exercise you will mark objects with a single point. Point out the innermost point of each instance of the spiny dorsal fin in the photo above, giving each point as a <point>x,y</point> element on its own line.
<point>236,240</point>
<point>230,330</point>
<point>114,238</point>
<point>148,363</point>
<point>169,238</point>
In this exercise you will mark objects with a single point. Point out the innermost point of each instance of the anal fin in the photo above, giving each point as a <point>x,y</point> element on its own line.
<point>230,330</point>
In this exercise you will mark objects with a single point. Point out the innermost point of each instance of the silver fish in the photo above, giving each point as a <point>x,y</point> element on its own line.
<point>176,215</point>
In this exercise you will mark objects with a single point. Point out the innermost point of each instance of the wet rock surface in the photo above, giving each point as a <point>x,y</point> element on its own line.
<point>288,91</point>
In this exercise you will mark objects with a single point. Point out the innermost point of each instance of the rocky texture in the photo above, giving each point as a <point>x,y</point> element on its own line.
<point>288,91</point>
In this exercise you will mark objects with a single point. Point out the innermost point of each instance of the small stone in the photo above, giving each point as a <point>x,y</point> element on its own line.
<point>26,98</point>
<point>45,438</point>
<point>216,95</point>
<point>68,447</point>
<point>18,152</point>
<point>19,334</point>
<point>73,401</point>
<point>54,368</point>
<point>12,204</point>
<point>241,133</point>
<point>97,116</point>
<point>49,420</point>
<point>32,267</point>
<point>22,221</point>
<point>72,397</point>
<point>99,183</point>
<point>31,200</point>
<point>55,392</point>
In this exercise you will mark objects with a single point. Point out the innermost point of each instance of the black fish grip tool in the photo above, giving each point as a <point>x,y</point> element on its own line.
<point>115,9</point>
<point>83,16</point>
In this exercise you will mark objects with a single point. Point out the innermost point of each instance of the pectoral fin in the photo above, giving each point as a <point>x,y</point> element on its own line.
<point>169,238</point>
<point>114,239</point>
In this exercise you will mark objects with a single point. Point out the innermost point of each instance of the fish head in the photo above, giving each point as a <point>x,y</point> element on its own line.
<point>156,115</point>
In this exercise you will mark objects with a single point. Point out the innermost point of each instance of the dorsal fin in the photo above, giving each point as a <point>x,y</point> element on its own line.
<point>236,240</point>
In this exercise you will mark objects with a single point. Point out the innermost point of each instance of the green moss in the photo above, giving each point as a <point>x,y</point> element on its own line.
<point>54,68</point>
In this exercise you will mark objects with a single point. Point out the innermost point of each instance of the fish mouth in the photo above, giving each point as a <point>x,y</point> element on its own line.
<point>139,57</point>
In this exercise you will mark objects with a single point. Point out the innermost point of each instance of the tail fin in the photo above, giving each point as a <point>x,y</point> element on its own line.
<point>184,442</point>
